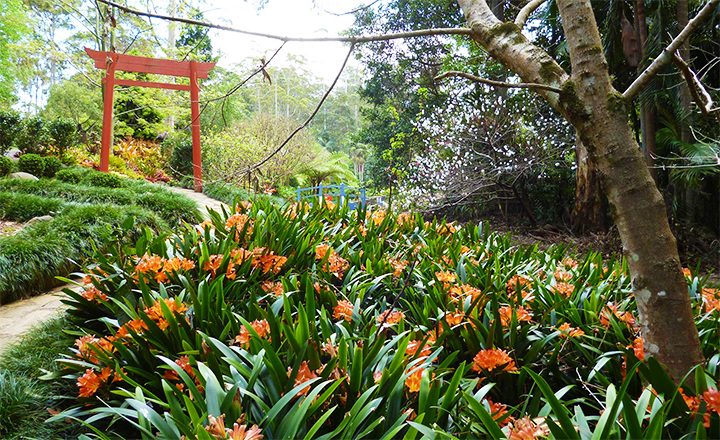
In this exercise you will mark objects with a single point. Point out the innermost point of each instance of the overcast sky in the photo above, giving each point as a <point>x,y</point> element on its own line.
<point>283,17</point>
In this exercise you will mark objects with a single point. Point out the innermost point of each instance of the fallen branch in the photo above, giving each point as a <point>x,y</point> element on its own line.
<point>667,54</point>
<point>285,38</point>
<point>700,95</point>
<point>494,83</point>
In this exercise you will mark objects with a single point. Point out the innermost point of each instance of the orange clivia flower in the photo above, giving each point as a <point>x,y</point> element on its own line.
<point>568,331</point>
<point>93,294</point>
<point>88,346</point>
<point>242,432</point>
<point>414,379</point>
<point>274,287</point>
<point>454,318</point>
<point>711,299</point>
<point>498,412</point>
<point>321,251</point>
<point>612,310</point>
<point>90,382</point>
<point>528,429</point>
<point>518,283</point>
<point>564,289</point>
<point>459,293</point>
<point>149,263</point>
<point>686,272</point>
<point>570,263</point>
<point>417,348</point>
<point>378,217</point>
<point>712,400</point>
<point>304,374</point>
<point>213,263</point>
<point>638,348</point>
<point>261,327</point>
<point>398,266</point>
<point>230,273</point>
<point>390,317</point>
<point>267,261</point>
<point>445,277</point>
<point>405,218</point>
<point>343,310</point>
<point>493,359</point>
<point>521,315</point>
<point>240,255</point>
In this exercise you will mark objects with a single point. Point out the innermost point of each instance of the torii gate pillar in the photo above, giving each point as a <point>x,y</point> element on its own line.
<point>111,62</point>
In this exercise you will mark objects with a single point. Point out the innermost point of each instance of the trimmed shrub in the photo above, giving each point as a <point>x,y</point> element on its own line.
<point>32,163</point>
<point>6,166</point>
<point>51,166</point>
<point>105,180</point>
<point>71,175</point>
<point>23,207</point>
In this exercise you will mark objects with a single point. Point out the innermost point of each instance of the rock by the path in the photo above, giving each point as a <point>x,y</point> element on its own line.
<point>22,175</point>
<point>42,218</point>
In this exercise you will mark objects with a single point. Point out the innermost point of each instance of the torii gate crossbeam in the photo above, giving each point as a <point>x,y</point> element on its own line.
<point>112,62</point>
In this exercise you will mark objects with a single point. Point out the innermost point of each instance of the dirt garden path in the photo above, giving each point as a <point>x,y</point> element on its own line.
<point>18,317</point>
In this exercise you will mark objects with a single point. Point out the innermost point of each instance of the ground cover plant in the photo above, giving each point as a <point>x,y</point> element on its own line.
<point>88,186</point>
<point>24,400</point>
<point>317,322</point>
<point>86,215</point>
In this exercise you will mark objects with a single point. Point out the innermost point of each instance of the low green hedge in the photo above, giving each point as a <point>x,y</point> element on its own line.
<point>172,207</point>
<point>30,259</point>
<point>23,207</point>
<point>231,194</point>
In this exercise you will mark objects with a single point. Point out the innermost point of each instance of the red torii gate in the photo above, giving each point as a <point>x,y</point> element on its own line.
<point>112,61</point>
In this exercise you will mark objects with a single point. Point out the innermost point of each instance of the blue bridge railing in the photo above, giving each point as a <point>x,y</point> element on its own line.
<point>342,193</point>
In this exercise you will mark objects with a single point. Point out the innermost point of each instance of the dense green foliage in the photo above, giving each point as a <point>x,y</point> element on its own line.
<point>32,163</point>
<point>6,166</point>
<point>324,323</point>
<point>231,194</point>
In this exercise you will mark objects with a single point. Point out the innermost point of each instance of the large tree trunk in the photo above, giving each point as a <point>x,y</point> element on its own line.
<point>599,114</point>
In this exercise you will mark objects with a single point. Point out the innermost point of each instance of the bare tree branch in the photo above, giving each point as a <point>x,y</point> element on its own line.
<point>701,96</point>
<point>349,39</point>
<point>667,54</point>
<point>494,83</point>
<point>308,120</point>
<point>526,11</point>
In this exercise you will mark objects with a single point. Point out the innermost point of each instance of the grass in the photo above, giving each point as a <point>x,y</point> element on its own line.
<point>30,259</point>
<point>89,209</point>
<point>231,194</point>
<point>24,398</point>
<point>173,208</point>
